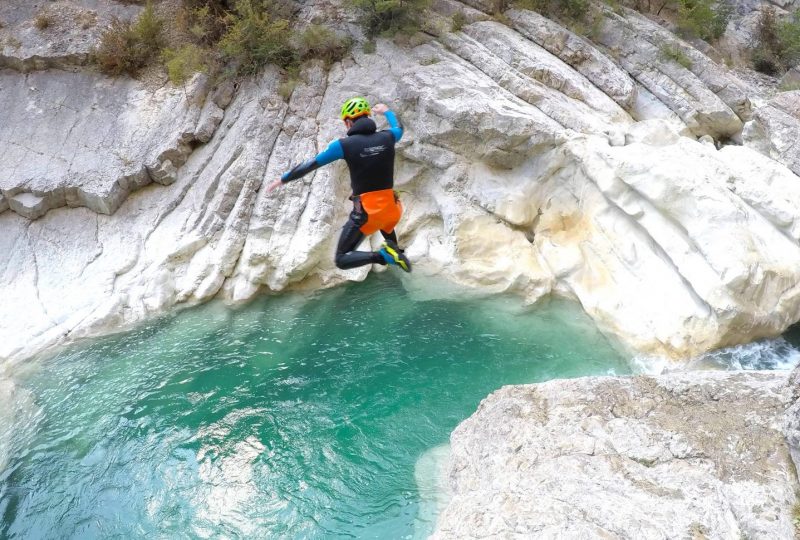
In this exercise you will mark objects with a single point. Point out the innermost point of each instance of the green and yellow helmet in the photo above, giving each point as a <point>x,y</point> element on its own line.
<point>355,107</point>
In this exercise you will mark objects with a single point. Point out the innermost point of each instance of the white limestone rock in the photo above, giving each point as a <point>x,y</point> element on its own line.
<point>775,130</point>
<point>535,63</point>
<point>713,75</point>
<point>578,53</point>
<point>521,167</point>
<point>28,205</point>
<point>689,455</point>
<point>637,43</point>
<point>66,33</point>
<point>613,217</point>
<point>93,152</point>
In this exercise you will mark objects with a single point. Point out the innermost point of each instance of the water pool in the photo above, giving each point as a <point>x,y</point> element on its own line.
<point>299,416</point>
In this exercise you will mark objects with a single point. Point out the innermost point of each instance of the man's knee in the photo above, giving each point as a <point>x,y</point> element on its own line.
<point>339,261</point>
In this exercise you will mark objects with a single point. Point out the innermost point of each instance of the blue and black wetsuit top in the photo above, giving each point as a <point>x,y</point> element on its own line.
<point>369,155</point>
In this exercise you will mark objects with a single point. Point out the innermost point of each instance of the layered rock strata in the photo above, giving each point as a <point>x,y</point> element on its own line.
<point>118,138</point>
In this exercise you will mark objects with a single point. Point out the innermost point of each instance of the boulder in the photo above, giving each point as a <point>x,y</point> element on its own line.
<point>685,455</point>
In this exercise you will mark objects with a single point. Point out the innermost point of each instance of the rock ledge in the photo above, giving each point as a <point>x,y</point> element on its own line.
<point>688,455</point>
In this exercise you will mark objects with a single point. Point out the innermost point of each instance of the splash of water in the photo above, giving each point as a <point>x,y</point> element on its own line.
<point>769,354</point>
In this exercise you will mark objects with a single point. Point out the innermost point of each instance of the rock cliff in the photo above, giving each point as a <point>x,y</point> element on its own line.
<point>663,197</point>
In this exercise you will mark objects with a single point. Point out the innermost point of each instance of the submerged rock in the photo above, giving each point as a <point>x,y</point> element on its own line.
<point>690,455</point>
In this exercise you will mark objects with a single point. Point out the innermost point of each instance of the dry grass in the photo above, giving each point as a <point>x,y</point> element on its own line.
<point>43,21</point>
<point>128,47</point>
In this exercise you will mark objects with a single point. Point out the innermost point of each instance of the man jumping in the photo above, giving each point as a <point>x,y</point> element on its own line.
<point>370,157</point>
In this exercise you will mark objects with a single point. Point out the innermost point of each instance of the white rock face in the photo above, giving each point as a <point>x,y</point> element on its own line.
<point>694,455</point>
<point>66,32</point>
<point>93,151</point>
<point>775,130</point>
<point>533,162</point>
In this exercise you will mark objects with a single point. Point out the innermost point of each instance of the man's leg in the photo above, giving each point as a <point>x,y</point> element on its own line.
<point>393,253</point>
<point>351,236</point>
<point>390,236</point>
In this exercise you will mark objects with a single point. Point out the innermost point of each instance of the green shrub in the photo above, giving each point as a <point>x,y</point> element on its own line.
<point>389,17</point>
<point>318,41</point>
<point>13,42</point>
<point>286,88</point>
<point>205,24</point>
<point>255,38</point>
<point>789,35</point>
<point>706,19</point>
<point>149,28</point>
<point>128,47</point>
<point>570,10</point>
<point>369,47</point>
<point>184,62</point>
<point>43,21</point>
<point>458,21</point>
<point>777,46</point>
<point>674,53</point>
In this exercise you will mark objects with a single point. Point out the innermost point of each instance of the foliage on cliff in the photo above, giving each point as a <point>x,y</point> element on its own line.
<point>229,38</point>
<point>127,47</point>
<point>388,17</point>
<point>777,46</point>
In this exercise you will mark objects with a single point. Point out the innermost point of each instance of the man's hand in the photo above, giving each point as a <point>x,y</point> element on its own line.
<point>380,108</point>
<point>274,185</point>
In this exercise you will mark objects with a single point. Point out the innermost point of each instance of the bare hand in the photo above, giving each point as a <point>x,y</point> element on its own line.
<point>274,185</point>
<point>380,108</point>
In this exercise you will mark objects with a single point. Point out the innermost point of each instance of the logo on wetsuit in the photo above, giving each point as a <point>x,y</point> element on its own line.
<point>372,151</point>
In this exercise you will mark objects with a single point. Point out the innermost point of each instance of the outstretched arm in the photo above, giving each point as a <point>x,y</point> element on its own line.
<point>329,155</point>
<point>394,124</point>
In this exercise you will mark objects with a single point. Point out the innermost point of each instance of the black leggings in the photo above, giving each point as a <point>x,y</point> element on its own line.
<point>351,237</point>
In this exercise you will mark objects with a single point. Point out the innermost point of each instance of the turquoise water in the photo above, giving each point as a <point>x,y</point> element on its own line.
<point>300,416</point>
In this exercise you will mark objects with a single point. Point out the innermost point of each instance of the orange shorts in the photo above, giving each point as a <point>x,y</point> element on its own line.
<point>383,210</point>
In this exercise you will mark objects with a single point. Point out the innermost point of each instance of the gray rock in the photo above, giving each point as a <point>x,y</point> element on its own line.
<point>29,205</point>
<point>578,53</point>
<point>791,426</point>
<point>711,72</point>
<point>73,29</point>
<point>92,151</point>
<point>775,130</point>
<point>791,79</point>
<point>685,455</point>
<point>486,52</point>
<point>704,97</point>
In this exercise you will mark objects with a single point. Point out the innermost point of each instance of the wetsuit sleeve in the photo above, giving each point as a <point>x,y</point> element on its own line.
<point>394,126</point>
<point>329,155</point>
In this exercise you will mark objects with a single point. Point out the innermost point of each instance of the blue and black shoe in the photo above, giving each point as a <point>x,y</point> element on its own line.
<point>394,255</point>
